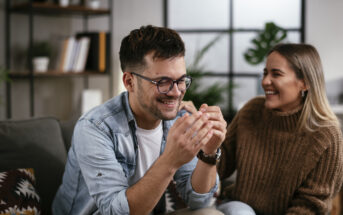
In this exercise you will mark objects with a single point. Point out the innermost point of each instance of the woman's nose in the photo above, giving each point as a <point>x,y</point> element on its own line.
<point>266,80</point>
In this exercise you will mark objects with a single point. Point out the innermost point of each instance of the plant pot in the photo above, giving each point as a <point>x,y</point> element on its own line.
<point>40,64</point>
<point>64,3</point>
<point>94,4</point>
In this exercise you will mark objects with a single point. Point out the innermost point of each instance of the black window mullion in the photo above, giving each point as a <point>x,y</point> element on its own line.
<point>231,31</point>
<point>231,49</point>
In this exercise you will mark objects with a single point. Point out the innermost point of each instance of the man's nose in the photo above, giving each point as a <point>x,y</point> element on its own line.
<point>174,91</point>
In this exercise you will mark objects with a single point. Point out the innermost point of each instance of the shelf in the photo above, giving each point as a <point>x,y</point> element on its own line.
<point>32,9</point>
<point>49,9</point>
<point>54,74</point>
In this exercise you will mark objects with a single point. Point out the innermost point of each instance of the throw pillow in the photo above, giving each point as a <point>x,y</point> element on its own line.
<point>173,199</point>
<point>18,195</point>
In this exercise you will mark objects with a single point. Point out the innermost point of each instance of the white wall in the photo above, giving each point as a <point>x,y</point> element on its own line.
<point>129,15</point>
<point>324,30</point>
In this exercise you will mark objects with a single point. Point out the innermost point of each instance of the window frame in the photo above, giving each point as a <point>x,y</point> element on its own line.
<point>231,74</point>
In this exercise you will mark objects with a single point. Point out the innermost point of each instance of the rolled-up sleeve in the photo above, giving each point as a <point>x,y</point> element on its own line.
<point>184,186</point>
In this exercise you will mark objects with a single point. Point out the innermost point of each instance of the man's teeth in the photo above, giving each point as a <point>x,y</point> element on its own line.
<point>270,92</point>
<point>168,102</point>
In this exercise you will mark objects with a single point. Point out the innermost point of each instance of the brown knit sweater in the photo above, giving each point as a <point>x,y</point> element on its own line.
<point>280,170</point>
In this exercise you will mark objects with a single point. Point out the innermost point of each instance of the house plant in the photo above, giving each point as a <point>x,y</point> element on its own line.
<point>41,53</point>
<point>263,42</point>
<point>211,95</point>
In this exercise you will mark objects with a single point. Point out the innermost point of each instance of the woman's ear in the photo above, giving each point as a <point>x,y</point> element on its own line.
<point>304,86</point>
<point>128,81</point>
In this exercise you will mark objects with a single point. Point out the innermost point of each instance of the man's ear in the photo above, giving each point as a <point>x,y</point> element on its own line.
<point>128,81</point>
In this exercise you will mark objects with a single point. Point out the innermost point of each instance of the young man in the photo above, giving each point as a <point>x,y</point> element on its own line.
<point>125,152</point>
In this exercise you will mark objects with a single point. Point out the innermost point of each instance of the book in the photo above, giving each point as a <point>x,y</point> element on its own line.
<point>59,45</point>
<point>68,55</point>
<point>80,62</point>
<point>102,51</point>
<point>99,50</point>
<point>74,56</point>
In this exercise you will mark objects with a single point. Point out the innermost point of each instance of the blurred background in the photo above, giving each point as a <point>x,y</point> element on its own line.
<point>218,35</point>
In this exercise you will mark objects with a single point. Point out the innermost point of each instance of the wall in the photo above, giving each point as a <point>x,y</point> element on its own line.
<point>129,15</point>
<point>324,30</point>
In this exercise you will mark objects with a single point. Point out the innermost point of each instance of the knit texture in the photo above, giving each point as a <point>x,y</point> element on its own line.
<point>280,170</point>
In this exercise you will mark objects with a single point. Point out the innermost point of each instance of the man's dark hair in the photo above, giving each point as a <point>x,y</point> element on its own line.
<point>163,42</point>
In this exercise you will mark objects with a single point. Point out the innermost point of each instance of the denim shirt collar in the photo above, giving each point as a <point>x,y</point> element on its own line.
<point>133,124</point>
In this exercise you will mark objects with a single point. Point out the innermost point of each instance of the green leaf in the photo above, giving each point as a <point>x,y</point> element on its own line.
<point>42,48</point>
<point>263,42</point>
<point>212,95</point>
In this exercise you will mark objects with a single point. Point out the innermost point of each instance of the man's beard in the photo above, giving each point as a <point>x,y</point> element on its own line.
<point>155,111</point>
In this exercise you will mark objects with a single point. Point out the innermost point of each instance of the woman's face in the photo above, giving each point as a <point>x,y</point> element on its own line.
<point>281,86</point>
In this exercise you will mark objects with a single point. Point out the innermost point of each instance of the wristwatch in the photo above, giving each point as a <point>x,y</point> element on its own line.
<point>209,159</point>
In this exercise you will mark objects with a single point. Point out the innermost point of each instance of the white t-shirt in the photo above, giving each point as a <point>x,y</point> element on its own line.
<point>149,147</point>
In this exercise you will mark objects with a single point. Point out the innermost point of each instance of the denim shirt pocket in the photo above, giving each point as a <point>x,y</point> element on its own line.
<point>125,153</point>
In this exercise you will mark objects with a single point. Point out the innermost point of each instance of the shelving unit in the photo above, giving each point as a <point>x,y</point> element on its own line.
<point>32,9</point>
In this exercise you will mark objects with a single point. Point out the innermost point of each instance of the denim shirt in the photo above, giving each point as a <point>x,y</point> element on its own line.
<point>103,157</point>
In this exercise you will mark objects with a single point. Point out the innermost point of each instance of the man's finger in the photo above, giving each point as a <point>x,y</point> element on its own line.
<point>186,123</point>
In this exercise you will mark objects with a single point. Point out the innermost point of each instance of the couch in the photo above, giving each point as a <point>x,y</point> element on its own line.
<point>40,144</point>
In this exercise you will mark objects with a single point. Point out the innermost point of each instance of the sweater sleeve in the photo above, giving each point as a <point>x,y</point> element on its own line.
<point>227,164</point>
<point>323,182</point>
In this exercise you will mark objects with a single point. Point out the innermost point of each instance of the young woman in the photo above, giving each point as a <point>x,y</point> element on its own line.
<point>287,145</point>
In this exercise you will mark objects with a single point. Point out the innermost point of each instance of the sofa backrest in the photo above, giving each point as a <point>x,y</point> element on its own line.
<point>35,143</point>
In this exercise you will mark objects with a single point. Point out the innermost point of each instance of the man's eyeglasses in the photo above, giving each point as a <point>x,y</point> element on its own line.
<point>166,84</point>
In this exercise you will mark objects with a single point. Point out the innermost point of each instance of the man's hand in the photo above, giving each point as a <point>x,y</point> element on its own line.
<point>187,136</point>
<point>219,128</point>
<point>217,119</point>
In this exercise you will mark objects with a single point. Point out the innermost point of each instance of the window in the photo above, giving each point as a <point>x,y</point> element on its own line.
<point>199,21</point>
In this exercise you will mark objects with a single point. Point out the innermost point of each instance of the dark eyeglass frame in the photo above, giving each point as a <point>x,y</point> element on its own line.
<point>157,83</point>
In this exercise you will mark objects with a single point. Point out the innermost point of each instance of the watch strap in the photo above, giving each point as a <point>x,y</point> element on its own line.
<point>209,159</point>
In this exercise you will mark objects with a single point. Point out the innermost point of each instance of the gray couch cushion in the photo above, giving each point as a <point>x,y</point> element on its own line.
<point>67,130</point>
<point>38,144</point>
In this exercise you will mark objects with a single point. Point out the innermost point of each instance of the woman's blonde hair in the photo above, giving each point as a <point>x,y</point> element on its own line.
<point>305,61</point>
